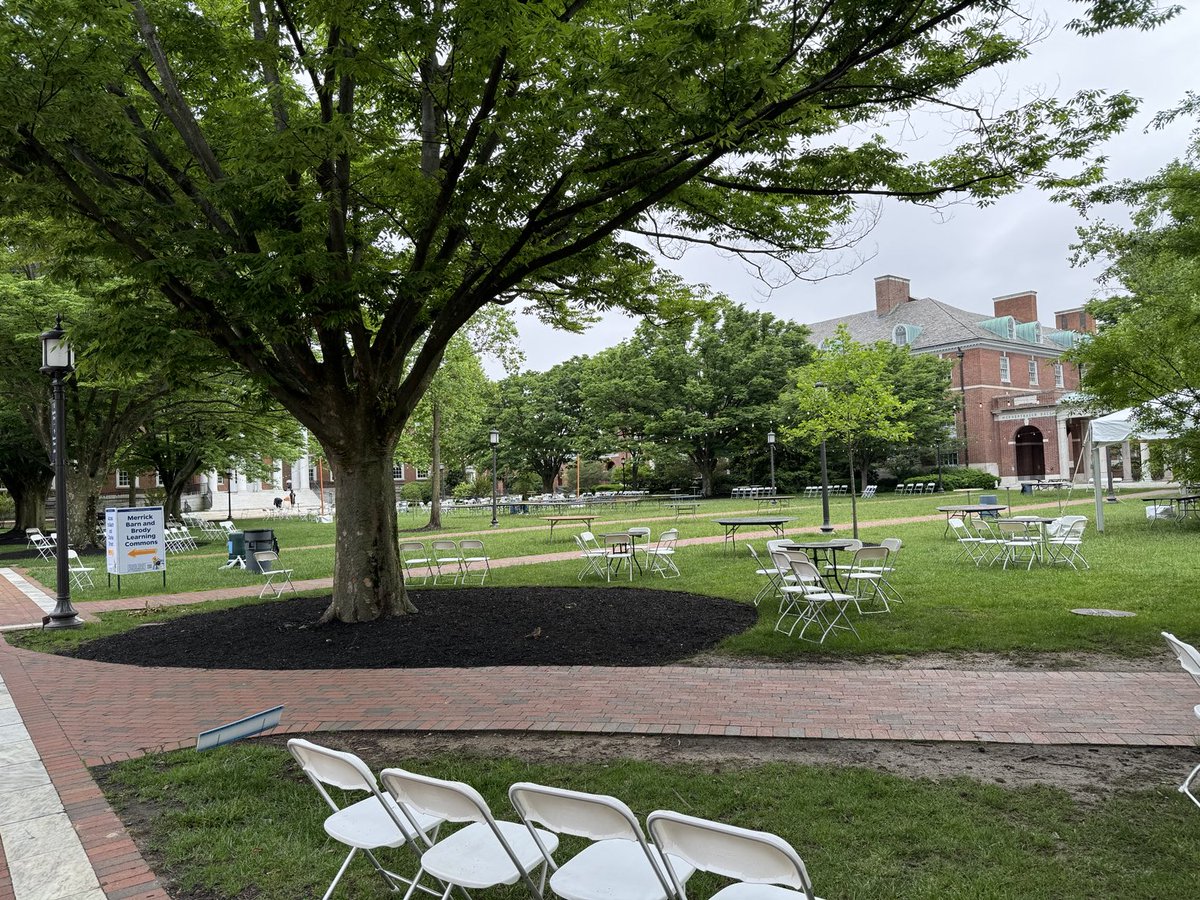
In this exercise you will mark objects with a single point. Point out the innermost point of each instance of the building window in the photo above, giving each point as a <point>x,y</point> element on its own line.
<point>1059,380</point>
<point>949,457</point>
<point>1005,376</point>
<point>422,474</point>
<point>1033,372</point>
<point>122,478</point>
<point>398,472</point>
<point>158,479</point>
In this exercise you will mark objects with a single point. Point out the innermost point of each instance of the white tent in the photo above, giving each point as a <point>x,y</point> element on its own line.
<point>1115,428</point>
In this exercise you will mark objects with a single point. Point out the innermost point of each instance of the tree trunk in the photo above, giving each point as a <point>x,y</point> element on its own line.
<point>548,481</point>
<point>28,492</point>
<point>366,562</point>
<point>83,500</point>
<point>435,468</point>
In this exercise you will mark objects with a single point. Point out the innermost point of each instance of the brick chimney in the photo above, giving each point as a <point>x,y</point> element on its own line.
<point>890,292</point>
<point>1022,306</point>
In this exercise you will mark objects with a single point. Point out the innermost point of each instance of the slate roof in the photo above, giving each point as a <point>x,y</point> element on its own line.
<point>940,324</point>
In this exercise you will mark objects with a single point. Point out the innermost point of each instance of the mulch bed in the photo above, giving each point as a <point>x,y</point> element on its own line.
<point>462,628</point>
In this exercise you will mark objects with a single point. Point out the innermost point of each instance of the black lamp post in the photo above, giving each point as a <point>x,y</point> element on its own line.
<point>229,494</point>
<point>937,455</point>
<point>826,528</point>
<point>771,447</point>
<point>494,440</point>
<point>58,360</point>
<point>962,387</point>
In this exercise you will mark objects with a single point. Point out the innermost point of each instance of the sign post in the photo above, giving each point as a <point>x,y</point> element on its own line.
<point>136,541</point>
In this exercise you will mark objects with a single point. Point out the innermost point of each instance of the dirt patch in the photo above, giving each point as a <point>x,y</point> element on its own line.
<point>963,662</point>
<point>1087,773</point>
<point>462,628</point>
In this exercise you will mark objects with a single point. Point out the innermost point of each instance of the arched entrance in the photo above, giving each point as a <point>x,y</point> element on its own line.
<point>1031,454</point>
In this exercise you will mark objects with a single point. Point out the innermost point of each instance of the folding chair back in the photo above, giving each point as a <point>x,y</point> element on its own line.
<point>1189,656</point>
<point>332,767</point>
<point>661,554</point>
<point>619,864</point>
<point>414,556</point>
<point>486,851</point>
<point>81,575</point>
<point>475,561</point>
<point>749,857</point>
<point>446,554</point>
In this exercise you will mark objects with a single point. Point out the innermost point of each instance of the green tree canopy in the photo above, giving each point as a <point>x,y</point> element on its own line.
<point>327,191</point>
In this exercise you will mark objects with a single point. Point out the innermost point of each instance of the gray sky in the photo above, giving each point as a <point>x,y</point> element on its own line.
<point>965,255</point>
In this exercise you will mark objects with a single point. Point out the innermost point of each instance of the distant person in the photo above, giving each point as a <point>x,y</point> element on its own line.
<point>279,503</point>
<point>291,497</point>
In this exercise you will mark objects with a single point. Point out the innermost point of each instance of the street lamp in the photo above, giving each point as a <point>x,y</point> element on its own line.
<point>826,528</point>
<point>494,440</point>
<point>771,447</point>
<point>58,360</point>
<point>937,456</point>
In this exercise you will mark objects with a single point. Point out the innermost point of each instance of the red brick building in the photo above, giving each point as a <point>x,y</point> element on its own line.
<point>1018,421</point>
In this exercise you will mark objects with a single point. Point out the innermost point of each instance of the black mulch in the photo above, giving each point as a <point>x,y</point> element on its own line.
<point>462,628</point>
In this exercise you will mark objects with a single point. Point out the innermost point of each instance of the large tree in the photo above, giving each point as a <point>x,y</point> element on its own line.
<point>328,190</point>
<point>701,387</point>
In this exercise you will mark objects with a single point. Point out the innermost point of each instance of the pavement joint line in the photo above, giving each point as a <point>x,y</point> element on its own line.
<point>44,601</point>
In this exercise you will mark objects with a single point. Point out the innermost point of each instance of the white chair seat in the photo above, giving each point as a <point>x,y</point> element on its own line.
<point>361,824</point>
<point>473,858</point>
<point>614,869</point>
<point>744,891</point>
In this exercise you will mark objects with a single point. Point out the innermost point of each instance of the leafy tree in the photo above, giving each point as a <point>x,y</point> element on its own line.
<point>25,471</point>
<point>328,191</point>
<point>701,388</point>
<point>541,419</point>
<point>1143,353</point>
<point>846,395</point>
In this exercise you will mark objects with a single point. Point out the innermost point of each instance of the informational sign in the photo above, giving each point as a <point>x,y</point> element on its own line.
<point>135,540</point>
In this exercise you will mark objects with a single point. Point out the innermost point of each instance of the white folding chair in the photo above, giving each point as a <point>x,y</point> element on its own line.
<point>660,556</point>
<point>415,561</point>
<point>370,824</point>
<point>865,576</point>
<point>1064,544</point>
<point>763,865</point>
<point>591,557</point>
<point>278,580</point>
<point>446,556</point>
<point>81,575</point>
<point>475,562</point>
<point>975,548</point>
<point>619,863</point>
<point>44,545</point>
<point>1019,542</point>
<point>1189,658</point>
<point>483,853</point>
<point>771,572</point>
<point>618,549</point>
<point>808,602</point>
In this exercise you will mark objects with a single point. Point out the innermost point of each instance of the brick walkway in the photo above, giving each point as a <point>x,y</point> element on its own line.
<point>81,713</point>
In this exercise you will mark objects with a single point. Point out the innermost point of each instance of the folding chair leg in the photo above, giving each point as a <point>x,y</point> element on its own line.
<point>342,871</point>
<point>1185,788</point>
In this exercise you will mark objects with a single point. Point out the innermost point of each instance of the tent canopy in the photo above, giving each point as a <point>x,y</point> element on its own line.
<point>1121,426</point>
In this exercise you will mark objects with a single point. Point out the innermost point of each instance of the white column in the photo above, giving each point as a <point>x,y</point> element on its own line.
<point>1144,453</point>
<point>1126,462</point>
<point>210,478</point>
<point>300,473</point>
<point>277,475</point>
<point>1064,447</point>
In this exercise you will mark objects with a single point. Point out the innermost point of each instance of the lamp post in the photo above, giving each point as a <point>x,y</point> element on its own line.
<point>771,447</point>
<point>962,387</point>
<point>58,360</point>
<point>937,456</point>
<point>229,493</point>
<point>826,528</point>
<point>494,440</point>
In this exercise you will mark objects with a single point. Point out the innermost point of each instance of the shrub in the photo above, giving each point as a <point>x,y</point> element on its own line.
<point>416,492</point>
<point>959,477</point>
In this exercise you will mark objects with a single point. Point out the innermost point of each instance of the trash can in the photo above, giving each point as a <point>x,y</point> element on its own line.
<point>236,545</point>
<point>256,542</point>
<point>1027,487</point>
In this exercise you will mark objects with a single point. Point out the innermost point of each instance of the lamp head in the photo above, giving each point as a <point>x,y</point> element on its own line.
<point>57,354</point>
<point>960,353</point>
<point>770,437</point>
<point>494,437</point>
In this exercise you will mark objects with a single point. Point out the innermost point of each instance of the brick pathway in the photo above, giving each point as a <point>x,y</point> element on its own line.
<point>81,713</point>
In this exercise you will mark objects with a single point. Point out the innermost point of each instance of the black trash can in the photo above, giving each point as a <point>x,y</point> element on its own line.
<point>256,542</point>
<point>1027,487</point>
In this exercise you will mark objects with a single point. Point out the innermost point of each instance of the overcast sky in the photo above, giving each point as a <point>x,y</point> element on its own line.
<point>965,255</point>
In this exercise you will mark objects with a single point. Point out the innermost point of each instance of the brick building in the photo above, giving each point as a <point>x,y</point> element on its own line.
<point>1016,390</point>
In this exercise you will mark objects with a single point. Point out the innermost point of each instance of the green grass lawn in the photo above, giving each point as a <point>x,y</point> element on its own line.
<point>243,821</point>
<point>951,605</point>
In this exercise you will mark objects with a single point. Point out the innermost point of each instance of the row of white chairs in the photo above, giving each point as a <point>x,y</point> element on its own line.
<point>1018,541</point>
<point>44,544</point>
<point>458,561</point>
<point>917,487</point>
<point>178,538</point>
<point>605,558</point>
<point>47,547</point>
<point>620,862</point>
